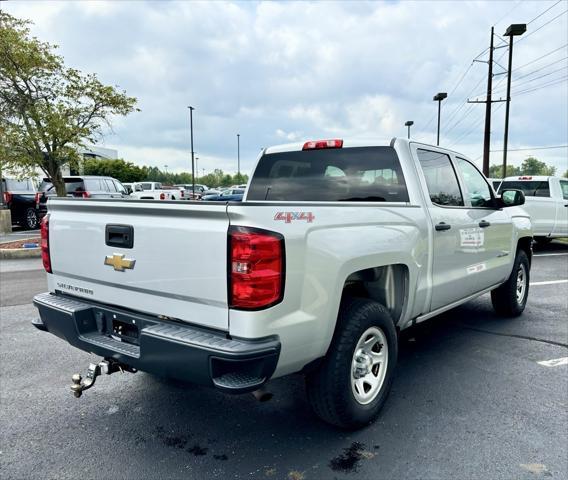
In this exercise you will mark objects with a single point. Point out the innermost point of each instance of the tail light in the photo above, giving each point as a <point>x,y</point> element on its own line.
<point>7,197</point>
<point>37,198</point>
<point>86,195</point>
<point>256,268</point>
<point>317,144</point>
<point>162,196</point>
<point>182,193</point>
<point>44,232</point>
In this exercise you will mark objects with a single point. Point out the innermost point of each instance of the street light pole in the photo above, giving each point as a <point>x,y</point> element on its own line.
<point>191,109</point>
<point>513,31</point>
<point>197,167</point>
<point>438,98</point>
<point>239,156</point>
<point>409,124</point>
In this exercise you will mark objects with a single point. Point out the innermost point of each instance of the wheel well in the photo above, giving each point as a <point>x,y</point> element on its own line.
<point>386,284</point>
<point>525,243</point>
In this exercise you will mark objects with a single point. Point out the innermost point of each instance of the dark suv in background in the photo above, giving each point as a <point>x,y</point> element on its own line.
<point>81,186</point>
<point>19,197</point>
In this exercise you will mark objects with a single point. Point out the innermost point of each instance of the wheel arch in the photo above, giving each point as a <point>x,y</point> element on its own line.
<point>525,244</point>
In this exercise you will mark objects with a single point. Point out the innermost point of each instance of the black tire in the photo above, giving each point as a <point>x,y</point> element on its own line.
<point>30,220</point>
<point>329,387</point>
<point>504,298</point>
<point>542,240</point>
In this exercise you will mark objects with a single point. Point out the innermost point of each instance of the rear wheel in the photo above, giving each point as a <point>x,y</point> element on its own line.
<point>510,298</point>
<point>351,385</point>
<point>30,220</point>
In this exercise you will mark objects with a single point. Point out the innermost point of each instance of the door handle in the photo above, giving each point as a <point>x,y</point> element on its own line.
<point>484,224</point>
<point>442,226</point>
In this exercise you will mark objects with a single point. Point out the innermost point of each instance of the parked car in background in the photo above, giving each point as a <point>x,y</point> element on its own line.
<point>188,187</point>
<point>546,200</point>
<point>19,197</point>
<point>151,191</point>
<point>80,186</point>
<point>132,187</point>
<point>177,193</point>
<point>231,195</point>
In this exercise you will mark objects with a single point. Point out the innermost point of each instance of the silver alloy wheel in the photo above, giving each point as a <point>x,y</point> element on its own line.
<point>521,283</point>
<point>369,365</point>
<point>31,219</point>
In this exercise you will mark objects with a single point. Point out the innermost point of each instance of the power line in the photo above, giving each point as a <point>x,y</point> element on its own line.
<point>524,37</point>
<point>542,56</point>
<point>563,69</point>
<point>541,14</point>
<point>509,11</point>
<point>531,148</point>
<point>540,69</point>
<point>549,84</point>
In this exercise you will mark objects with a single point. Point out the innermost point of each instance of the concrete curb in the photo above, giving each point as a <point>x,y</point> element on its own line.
<point>14,253</point>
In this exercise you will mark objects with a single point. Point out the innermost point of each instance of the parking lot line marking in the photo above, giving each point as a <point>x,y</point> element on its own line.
<point>556,362</point>
<point>551,282</point>
<point>549,254</point>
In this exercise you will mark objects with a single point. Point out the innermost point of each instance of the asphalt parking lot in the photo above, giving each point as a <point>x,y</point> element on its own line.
<point>470,401</point>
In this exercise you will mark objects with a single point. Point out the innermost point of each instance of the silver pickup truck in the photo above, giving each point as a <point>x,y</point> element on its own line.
<point>336,248</point>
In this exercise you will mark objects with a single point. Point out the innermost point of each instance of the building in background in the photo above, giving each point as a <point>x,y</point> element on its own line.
<point>91,152</point>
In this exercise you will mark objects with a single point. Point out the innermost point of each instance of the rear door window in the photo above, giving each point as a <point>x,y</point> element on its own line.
<point>564,187</point>
<point>94,185</point>
<point>109,185</point>
<point>441,179</point>
<point>362,174</point>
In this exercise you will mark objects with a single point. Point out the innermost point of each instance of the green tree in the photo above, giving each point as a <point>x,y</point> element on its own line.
<point>119,169</point>
<point>495,171</point>
<point>48,110</point>
<point>533,166</point>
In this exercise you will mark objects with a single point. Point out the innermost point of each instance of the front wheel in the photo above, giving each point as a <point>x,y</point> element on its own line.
<point>351,385</point>
<point>510,298</point>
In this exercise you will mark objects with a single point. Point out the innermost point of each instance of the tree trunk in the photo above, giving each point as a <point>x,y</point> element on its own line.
<point>57,179</point>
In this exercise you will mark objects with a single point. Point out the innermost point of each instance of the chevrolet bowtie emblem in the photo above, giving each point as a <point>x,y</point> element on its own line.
<point>118,262</point>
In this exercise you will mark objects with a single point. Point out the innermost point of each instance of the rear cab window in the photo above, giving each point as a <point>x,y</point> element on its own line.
<point>531,188</point>
<point>18,186</point>
<point>72,185</point>
<point>356,174</point>
<point>564,187</point>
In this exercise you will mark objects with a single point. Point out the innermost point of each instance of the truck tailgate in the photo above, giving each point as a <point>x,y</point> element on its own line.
<point>176,267</point>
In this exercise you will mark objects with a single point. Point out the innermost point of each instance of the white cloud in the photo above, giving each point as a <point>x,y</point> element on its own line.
<point>283,71</point>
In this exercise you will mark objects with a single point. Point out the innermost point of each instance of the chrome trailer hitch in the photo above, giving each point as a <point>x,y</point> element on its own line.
<point>105,366</point>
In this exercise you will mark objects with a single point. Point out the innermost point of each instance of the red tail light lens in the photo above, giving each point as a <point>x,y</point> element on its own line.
<point>317,144</point>
<point>256,268</point>
<point>46,258</point>
<point>181,193</point>
<point>162,196</point>
<point>86,195</point>
<point>37,197</point>
<point>7,197</point>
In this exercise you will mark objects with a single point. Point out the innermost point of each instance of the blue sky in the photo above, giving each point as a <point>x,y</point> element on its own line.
<point>278,72</point>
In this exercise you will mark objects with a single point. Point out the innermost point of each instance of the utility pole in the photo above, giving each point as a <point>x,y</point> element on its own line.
<point>191,109</point>
<point>488,102</point>
<point>512,31</point>
<point>239,156</point>
<point>487,135</point>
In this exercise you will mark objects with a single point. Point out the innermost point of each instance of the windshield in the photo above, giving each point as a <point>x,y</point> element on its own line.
<point>371,174</point>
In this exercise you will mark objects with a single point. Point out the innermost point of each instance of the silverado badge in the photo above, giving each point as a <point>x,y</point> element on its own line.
<point>118,262</point>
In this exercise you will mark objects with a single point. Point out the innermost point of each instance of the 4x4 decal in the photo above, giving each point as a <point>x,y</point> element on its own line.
<point>288,217</point>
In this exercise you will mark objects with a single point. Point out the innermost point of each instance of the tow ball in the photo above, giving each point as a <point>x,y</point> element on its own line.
<point>106,367</point>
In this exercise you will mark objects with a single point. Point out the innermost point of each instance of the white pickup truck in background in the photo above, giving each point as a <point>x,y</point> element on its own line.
<point>546,201</point>
<point>336,248</point>
<point>152,191</point>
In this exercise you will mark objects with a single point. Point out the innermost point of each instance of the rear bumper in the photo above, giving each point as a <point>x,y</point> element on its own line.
<point>166,348</point>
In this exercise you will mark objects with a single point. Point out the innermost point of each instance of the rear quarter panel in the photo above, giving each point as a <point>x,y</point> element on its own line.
<point>320,255</point>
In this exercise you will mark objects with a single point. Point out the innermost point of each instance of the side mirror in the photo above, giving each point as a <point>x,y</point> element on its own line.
<point>512,198</point>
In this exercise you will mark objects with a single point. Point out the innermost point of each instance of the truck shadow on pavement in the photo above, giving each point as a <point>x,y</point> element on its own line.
<point>237,435</point>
